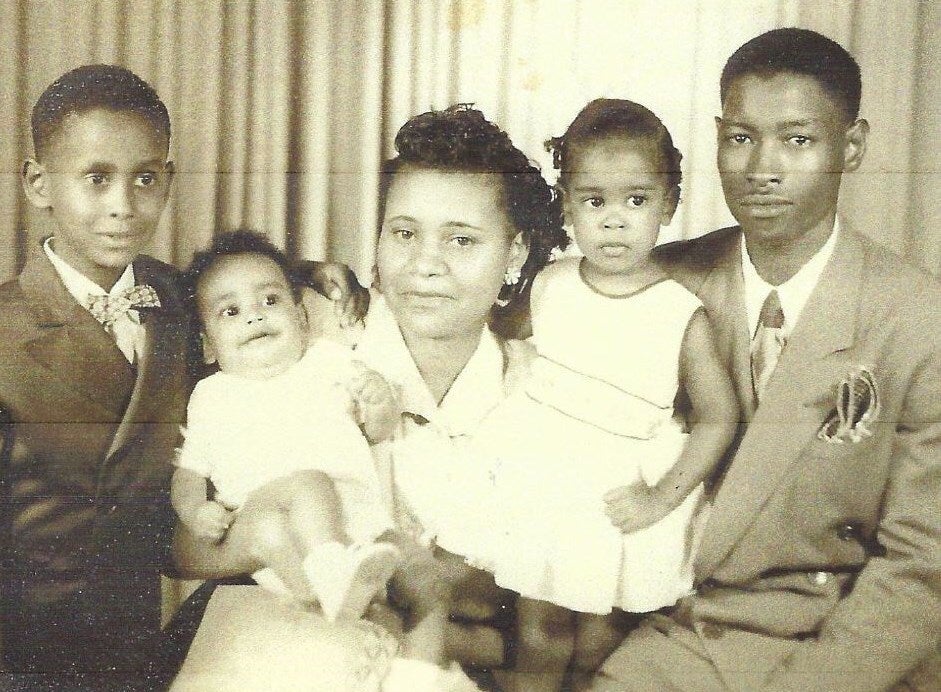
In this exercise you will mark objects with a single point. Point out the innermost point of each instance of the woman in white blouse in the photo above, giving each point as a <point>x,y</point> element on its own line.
<point>467,221</point>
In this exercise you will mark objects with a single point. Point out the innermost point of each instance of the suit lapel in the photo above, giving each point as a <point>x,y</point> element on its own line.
<point>163,344</point>
<point>787,419</point>
<point>145,373</point>
<point>71,343</point>
<point>723,294</point>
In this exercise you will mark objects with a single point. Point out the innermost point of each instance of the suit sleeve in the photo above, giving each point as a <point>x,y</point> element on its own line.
<point>891,620</point>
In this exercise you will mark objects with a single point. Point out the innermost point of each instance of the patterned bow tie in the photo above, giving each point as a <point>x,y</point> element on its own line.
<point>107,309</point>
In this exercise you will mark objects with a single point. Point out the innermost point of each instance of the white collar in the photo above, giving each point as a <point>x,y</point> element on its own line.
<point>80,286</point>
<point>476,391</point>
<point>794,293</point>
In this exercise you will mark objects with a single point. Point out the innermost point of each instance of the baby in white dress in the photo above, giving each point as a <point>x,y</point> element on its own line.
<point>598,480</point>
<point>286,415</point>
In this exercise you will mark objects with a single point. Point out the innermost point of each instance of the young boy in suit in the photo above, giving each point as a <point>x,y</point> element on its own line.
<point>820,564</point>
<point>96,362</point>
<point>94,372</point>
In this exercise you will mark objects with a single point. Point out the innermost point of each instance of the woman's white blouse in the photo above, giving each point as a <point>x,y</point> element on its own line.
<point>437,468</point>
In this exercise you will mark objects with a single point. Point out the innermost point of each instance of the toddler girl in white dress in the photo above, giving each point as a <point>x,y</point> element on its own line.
<point>285,415</point>
<point>598,480</point>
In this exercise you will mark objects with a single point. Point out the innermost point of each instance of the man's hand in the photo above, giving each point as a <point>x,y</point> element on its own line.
<point>209,521</point>
<point>635,507</point>
<point>338,283</point>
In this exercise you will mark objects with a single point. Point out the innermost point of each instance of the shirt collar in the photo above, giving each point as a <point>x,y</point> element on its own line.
<point>80,286</point>
<point>475,392</point>
<point>794,293</point>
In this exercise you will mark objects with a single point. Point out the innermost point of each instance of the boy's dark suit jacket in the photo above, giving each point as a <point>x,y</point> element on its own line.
<point>90,469</point>
<point>833,547</point>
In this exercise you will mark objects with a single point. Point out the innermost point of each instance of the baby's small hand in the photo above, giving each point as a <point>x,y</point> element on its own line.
<point>635,507</point>
<point>370,388</point>
<point>209,521</point>
<point>377,407</point>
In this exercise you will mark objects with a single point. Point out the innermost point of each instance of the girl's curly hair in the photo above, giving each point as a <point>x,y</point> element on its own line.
<point>611,118</point>
<point>460,138</point>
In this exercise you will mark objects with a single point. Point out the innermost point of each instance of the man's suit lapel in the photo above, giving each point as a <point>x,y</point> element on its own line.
<point>723,294</point>
<point>789,415</point>
<point>71,343</point>
<point>164,345</point>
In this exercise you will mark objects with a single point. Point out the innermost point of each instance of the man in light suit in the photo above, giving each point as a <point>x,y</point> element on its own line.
<point>820,563</point>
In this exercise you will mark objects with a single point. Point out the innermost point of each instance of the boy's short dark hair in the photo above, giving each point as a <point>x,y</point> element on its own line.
<point>91,87</point>
<point>803,52</point>
<point>231,244</point>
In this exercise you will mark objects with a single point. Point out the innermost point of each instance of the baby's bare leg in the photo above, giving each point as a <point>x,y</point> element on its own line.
<point>307,513</point>
<point>313,510</point>
<point>282,555</point>
<point>344,577</point>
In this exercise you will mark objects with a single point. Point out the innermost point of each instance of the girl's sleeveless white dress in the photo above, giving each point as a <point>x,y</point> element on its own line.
<point>596,414</point>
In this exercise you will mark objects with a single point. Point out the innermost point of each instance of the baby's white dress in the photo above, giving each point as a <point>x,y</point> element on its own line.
<point>243,433</point>
<point>597,413</point>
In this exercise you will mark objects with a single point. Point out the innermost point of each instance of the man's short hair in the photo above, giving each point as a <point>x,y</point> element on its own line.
<point>92,87</point>
<point>803,52</point>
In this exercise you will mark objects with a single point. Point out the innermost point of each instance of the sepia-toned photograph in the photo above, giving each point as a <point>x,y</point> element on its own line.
<point>470,345</point>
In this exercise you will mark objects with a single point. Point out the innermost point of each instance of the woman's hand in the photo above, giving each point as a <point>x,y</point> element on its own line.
<point>338,283</point>
<point>635,507</point>
<point>421,581</point>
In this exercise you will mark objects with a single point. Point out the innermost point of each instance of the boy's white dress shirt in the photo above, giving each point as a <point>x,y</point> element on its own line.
<point>128,330</point>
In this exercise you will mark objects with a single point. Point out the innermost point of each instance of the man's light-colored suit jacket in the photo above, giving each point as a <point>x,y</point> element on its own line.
<point>833,547</point>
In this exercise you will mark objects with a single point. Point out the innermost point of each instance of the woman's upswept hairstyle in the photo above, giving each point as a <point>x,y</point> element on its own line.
<point>605,119</point>
<point>461,139</point>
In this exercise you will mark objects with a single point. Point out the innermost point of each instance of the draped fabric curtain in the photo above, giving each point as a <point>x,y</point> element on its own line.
<point>282,109</point>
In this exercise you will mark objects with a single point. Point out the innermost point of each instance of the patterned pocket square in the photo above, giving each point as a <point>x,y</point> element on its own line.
<point>857,407</point>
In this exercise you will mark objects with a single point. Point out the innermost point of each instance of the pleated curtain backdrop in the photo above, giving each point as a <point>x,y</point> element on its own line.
<point>267,102</point>
<point>282,109</point>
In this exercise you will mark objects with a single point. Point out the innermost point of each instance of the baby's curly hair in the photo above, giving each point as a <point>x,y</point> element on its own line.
<point>460,138</point>
<point>605,119</point>
<point>230,244</point>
